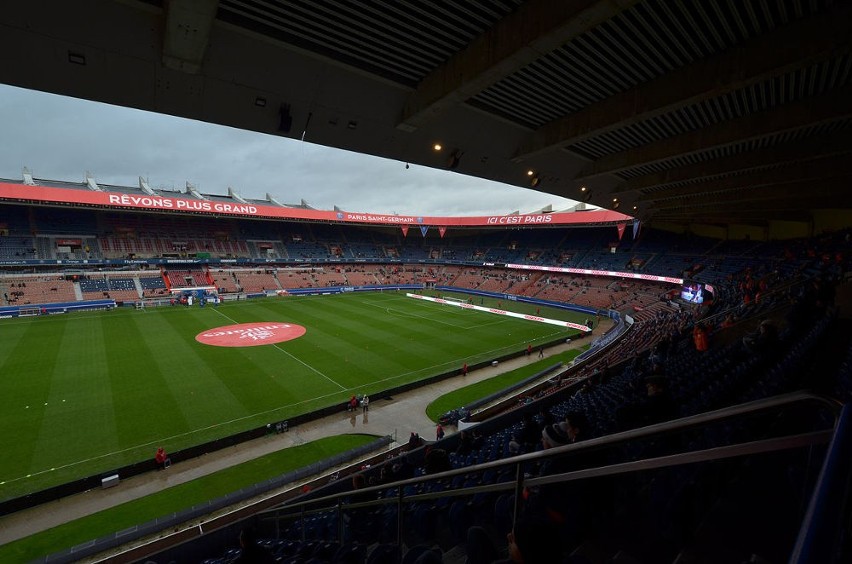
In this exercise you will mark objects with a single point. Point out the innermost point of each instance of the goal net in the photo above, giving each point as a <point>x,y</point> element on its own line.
<point>198,296</point>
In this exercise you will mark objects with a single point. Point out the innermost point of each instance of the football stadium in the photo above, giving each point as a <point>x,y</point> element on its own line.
<point>658,373</point>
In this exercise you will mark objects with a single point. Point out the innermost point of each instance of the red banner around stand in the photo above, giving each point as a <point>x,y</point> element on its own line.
<point>156,202</point>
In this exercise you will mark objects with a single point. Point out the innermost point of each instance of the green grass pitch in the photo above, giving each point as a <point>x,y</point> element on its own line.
<point>84,393</point>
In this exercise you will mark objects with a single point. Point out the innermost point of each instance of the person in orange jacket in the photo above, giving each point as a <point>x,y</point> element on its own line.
<point>699,337</point>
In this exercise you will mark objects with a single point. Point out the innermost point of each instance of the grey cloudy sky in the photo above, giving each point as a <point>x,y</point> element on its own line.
<point>61,138</point>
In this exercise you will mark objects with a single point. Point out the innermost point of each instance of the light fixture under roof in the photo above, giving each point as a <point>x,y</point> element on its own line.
<point>455,158</point>
<point>76,58</point>
<point>437,147</point>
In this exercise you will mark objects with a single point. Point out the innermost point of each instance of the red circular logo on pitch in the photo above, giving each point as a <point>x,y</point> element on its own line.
<point>250,334</point>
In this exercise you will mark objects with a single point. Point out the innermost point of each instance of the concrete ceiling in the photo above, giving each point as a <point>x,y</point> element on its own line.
<point>693,111</point>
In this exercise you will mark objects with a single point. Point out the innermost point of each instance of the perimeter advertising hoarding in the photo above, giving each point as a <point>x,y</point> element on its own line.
<point>591,272</point>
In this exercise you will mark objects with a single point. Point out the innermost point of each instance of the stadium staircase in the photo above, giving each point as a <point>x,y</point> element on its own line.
<point>521,289</point>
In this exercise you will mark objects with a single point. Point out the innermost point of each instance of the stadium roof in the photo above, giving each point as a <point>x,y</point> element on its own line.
<point>709,111</point>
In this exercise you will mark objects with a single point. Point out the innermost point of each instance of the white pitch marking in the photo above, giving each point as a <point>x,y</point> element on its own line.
<point>300,361</point>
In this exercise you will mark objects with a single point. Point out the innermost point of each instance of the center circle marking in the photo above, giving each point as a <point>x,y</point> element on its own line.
<point>250,334</point>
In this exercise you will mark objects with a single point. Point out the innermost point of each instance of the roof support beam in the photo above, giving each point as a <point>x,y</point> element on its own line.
<point>760,213</point>
<point>756,217</point>
<point>803,150</point>
<point>536,28</point>
<point>789,195</point>
<point>781,119</point>
<point>188,25</point>
<point>773,54</point>
<point>810,171</point>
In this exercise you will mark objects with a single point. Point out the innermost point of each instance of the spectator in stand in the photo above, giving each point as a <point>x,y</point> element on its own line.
<point>531,541</point>
<point>414,441</point>
<point>765,339</point>
<point>385,474</point>
<point>514,446</point>
<point>403,469</point>
<point>251,552</point>
<point>577,426</point>
<point>436,461</point>
<point>545,419</point>
<point>554,435</point>
<point>465,443</point>
<point>536,500</point>
<point>656,407</point>
<point>439,432</point>
<point>529,433</point>
<point>700,338</point>
<point>477,440</point>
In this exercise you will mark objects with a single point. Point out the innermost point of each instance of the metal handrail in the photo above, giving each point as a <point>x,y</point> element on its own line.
<point>822,523</point>
<point>705,455</point>
<point>740,449</point>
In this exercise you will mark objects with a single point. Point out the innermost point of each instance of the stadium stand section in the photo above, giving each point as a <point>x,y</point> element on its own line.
<point>729,120</point>
<point>766,324</point>
<point>672,512</point>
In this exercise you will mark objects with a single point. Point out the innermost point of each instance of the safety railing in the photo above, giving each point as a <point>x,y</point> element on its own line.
<point>412,490</point>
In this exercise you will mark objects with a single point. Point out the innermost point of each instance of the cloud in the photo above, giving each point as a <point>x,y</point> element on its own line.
<point>61,138</point>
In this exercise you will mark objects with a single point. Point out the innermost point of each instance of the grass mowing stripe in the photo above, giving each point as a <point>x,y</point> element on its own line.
<point>397,345</point>
<point>177,498</point>
<point>261,376</point>
<point>348,343</point>
<point>410,314</point>
<point>152,356</point>
<point>464,318</point>
<point>83,359</point>
<point>157,352</point>
<point>305,364</point>
<point>292,356</point>
<point>33,375</point>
